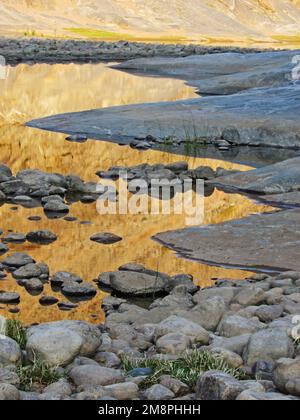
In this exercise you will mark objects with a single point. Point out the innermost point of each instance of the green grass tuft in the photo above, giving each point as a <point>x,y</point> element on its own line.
<point>38,374</point>
<point>187,369</point>
<point>15,330</point>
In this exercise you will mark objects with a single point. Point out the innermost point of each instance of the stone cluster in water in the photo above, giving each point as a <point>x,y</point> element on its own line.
<point>54,192</point>
<point>247,324</point>
<point>54,50</point>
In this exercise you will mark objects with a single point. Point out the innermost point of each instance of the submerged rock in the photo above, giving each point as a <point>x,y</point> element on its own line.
<point>41,237</point>
<point>106,238</point>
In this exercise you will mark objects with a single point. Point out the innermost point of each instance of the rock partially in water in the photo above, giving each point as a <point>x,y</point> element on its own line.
<point>272,241</point>
<point>279,178</point>
<point>56,206</point>
<point>136,284</point>
<point>77,139</point>
<point>33,286</point>
<point>67,306</point>
<point>28,271</point>
<point>48,300</point>
<point>78,290</point>
<point>256,85</point>
<point>3,249</point>
<point>59,278</point>
<point>5,173</point>
<point>106,238</point>
<point>17,260</point>
<point>43,237</point>
<point>9,297</point>
<point>17,238</point>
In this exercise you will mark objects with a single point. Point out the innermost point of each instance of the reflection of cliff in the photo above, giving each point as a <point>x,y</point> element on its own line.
<point>41,90</point>
<point>74,251</point>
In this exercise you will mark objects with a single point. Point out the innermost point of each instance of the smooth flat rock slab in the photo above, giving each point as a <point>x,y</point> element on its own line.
<point>223,73</point>
<point>282,177</point>
<point>262,241</point>
<point>264,112</point>
<point>260,117</point>
<point>290,199</point>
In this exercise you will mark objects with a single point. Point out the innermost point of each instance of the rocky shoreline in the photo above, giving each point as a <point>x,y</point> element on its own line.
<point>241,337</point>
<point>253,97</point>
<point>42,50</point>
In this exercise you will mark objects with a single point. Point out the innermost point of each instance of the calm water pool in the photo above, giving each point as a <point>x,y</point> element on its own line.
<point>41,90</point>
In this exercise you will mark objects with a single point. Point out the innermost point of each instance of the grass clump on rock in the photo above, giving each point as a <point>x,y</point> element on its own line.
<point>15,330</point>
<point>187,369</point>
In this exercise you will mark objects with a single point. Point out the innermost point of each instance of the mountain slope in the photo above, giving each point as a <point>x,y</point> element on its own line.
<point>258,19</point>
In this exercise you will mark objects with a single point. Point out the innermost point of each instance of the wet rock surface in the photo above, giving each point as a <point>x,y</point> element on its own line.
<point>260,86</point>
<point>272,242</point>
<point>34,188</point>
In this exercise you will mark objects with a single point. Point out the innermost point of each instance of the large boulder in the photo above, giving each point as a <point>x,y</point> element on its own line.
<point>269,344</point>
<point>56,346</point>
<point>209,313</point>
<point>235,325</point>
<point>235,344</point>
<point>286,374</point>
<point>226,293</point>
<point>10,352</point>
<point>136,284</point>
<point>68,340</point>
<point>176,324</point>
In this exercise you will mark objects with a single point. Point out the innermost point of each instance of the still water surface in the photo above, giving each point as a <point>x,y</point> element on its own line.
<point>42,90</point>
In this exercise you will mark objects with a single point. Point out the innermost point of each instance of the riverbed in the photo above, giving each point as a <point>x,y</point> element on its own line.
<point>35,91</point>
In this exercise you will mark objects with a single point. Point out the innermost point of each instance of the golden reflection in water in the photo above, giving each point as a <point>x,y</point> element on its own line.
<point>23,148</point>
<point>73,251</point>
<point>41,90</point>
